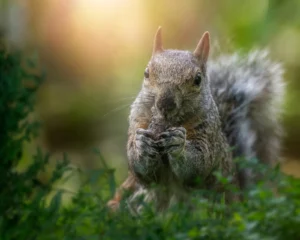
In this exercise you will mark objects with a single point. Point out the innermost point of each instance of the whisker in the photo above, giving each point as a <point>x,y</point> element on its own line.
<point>146,100</point>
<point>125,98</point>
<point>118,100</point>
<point>115,110</point>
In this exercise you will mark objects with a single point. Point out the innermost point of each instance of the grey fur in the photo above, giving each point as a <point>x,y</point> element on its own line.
<point>249,93</point>
<point>238,103</point>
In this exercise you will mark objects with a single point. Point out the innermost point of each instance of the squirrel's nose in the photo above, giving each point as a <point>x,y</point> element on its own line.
<point>166,105</point>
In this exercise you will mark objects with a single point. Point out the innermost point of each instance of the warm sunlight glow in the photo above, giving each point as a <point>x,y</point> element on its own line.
<point>85,35</point>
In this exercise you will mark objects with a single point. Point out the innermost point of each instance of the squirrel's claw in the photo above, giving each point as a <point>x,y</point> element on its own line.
<point>173,140</point>
<point>179,131</point>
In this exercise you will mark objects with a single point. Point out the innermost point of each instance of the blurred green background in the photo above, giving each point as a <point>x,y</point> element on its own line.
<point>95,52</point>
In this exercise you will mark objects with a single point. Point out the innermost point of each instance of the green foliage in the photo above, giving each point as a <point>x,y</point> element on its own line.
<point>26,212</point>
<point>16,101</point>
<point>263,216</point>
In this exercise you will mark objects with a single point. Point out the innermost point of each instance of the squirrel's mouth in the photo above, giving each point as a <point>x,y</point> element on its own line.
<point>173,117</point>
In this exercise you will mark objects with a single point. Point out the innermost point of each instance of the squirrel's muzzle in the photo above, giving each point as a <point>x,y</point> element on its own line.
<point>166,103</point>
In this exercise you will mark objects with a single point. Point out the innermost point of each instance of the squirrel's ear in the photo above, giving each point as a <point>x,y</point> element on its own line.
<point>157,46</point>
<point>202,49</point>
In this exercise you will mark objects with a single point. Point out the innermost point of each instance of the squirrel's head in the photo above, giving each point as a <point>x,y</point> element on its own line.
<point>177,79</point>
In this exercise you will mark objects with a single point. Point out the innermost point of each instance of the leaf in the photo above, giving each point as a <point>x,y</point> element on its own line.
<point>55,203</point>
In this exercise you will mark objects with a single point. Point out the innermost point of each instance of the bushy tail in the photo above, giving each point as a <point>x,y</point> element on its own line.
<point>248,91</point>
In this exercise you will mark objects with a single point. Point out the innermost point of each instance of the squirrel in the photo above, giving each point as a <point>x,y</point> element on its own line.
<point>191,111</point>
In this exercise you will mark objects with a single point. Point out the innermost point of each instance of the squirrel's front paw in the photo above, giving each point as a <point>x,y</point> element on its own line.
<point>173,140</point>
<point>147,154</point>
<point>145,144</point>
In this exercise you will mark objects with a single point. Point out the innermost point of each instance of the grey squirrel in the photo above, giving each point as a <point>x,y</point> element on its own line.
<point>191,111</point>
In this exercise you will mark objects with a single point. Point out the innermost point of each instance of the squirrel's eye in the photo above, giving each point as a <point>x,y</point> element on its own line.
<point>198,79</point>
<point>146,73</point>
